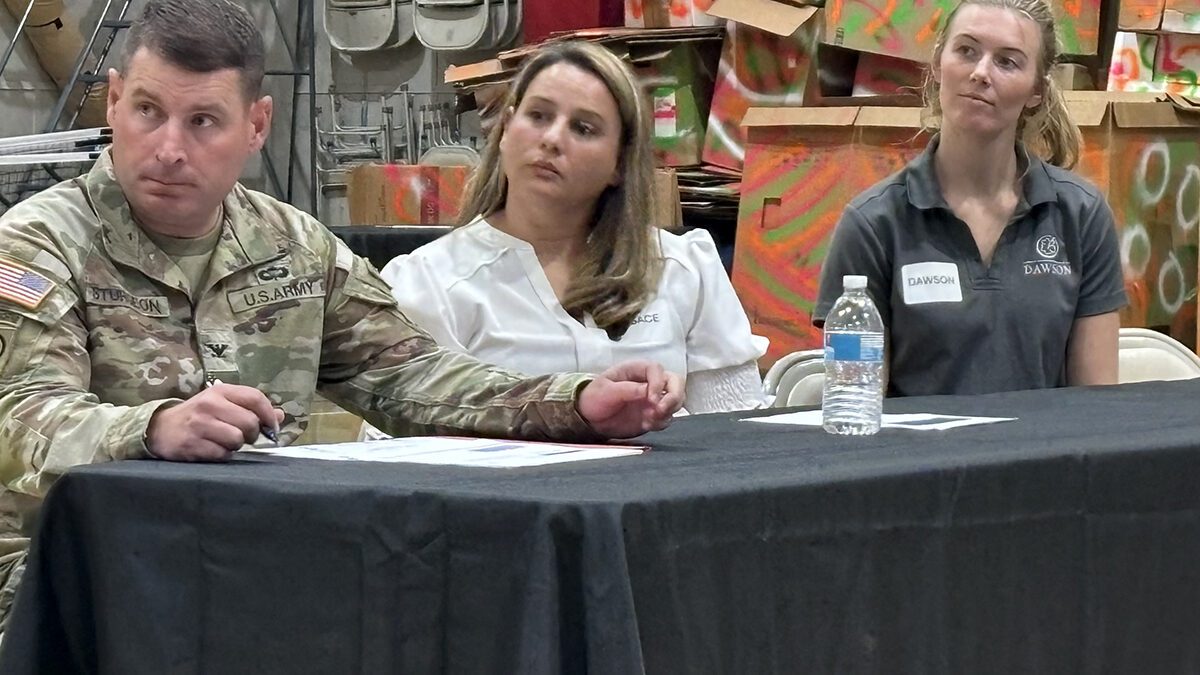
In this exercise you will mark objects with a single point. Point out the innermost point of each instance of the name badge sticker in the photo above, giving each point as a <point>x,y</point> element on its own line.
<point>930,282</point>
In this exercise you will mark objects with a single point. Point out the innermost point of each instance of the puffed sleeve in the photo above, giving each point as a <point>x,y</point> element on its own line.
<point>421,296</point>
<point>856,249</point>
<point>719,334</point>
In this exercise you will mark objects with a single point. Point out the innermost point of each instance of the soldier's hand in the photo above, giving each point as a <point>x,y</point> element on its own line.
<point>630,399</point>
<point>211,425</point>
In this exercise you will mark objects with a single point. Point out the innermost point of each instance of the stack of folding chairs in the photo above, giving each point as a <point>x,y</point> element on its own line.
<point>444,25</point>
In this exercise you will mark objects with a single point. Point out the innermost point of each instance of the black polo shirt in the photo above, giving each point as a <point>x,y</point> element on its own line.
<point>955,325</point>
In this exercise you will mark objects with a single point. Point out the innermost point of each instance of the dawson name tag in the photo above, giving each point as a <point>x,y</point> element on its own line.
<point>930,282</point>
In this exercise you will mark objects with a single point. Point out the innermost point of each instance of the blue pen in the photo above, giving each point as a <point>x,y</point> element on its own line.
<point>271,434</point>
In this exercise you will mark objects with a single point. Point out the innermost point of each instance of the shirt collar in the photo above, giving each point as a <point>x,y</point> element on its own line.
<point>924,192</point>
<point>247,238</point>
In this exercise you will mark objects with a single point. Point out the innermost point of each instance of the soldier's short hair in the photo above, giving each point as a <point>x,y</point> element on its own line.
<point>200,36</point>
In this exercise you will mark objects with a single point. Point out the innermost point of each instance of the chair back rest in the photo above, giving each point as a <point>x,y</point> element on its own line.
<point>809,391</point>
<point>796,384</point>
<point>1145,354</point>
<point>776,371</point>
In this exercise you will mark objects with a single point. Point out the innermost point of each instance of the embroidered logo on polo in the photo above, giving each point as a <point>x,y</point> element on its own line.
<point>255,297</point>
<point>1047,248</point>
<point>928,282</point>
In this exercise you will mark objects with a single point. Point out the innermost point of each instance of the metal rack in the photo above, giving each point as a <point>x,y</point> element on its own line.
<point>37,161</point>
<point>403,127</point>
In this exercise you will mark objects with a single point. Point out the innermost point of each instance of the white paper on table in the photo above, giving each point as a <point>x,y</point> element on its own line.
<point>918,421</point>
<point>484,452</point>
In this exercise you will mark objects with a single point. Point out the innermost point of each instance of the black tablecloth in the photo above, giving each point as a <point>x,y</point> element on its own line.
<point>380,243</point>
<point>1067,541</point>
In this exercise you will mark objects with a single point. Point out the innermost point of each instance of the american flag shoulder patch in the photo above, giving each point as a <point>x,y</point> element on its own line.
<point>22,285</point>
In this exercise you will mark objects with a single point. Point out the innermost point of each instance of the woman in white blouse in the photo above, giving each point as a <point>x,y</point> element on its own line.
<point>561,270</point>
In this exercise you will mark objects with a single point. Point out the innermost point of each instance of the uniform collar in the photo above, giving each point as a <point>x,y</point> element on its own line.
<point>247,239</point>
<point>925,193</point>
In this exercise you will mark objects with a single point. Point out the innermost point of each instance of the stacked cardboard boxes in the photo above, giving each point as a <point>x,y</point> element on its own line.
<point>788,53</point>
<point>1156,48</point>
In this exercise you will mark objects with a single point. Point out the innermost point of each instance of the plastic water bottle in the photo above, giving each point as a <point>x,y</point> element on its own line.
<point>852,403</point>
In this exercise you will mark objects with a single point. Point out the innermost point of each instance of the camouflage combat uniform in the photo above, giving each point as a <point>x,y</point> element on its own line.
<point>287,308</point>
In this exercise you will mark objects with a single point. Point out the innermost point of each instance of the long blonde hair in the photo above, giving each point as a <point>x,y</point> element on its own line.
<point>623,264</point>
<point>1047,128</point>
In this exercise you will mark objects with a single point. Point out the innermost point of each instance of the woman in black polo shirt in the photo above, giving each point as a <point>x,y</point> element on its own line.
<point>993,269</point>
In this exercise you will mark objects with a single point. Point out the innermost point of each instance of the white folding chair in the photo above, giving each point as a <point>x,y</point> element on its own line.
<point>799,376</point>
<point>450,25</point>
<point>809,390</point>
<point>366,25</point>
<point>1145,354</point>
<point>776,371</point>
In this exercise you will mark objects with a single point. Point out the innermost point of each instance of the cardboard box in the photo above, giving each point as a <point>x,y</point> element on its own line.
<point>1132,64</point>
<point>680,75</point>
<point>1145,15</point>
<point>908,30</point>
<point>768,59</point>
<point>668,209</point>
<point>1177,59</point>
<point>1094,120</point>
<point>398,194</point>
<point>803,165</point>
<point>1155,63</point>
<point>1168,16</point>
<point>878,75</point>
<point>668,13</point>
<point>1155,177</point>
<point>1181,16</point>
<point>1072,77</point>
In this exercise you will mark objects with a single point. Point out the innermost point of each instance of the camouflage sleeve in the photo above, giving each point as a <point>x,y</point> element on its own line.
<point>49,421</point>
<point>378,364</point>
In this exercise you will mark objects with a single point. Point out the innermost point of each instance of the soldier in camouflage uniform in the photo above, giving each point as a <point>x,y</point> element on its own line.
<point>126,294</point>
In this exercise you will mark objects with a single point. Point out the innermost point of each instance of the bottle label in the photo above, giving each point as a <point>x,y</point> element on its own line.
<point>854,347</point>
